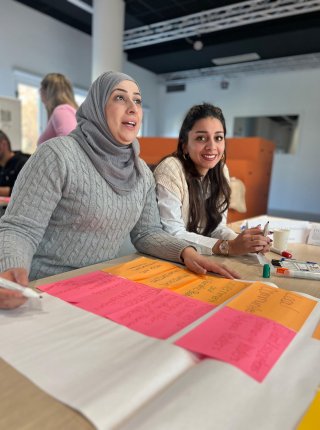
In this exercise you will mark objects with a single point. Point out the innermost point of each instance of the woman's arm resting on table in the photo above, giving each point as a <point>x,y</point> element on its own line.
<point>10,299</point>
<point>201,265</point>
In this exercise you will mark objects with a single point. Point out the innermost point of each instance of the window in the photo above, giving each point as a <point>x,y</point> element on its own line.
<point>79,95</point>
<point>144,125</point>
<point>281,129</point>
<point>32,112</point>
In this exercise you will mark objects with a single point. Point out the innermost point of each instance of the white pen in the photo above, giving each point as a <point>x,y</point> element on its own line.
<point>284,253</point>
<point>26,292</point>
<point>282,271</point>
<point>266,229</point>
<point>261,258</point>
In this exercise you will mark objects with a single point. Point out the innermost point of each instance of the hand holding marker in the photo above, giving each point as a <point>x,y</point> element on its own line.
<point>283,253</point>
<point>26,292</point>
<point>266,229</point>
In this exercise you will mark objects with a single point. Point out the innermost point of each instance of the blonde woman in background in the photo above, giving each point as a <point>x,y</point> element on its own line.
<point>58,98</point>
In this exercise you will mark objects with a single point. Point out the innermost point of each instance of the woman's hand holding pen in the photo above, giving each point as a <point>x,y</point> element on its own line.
<point>250,240</point>
<point>10,299</point>
<point>201,265</point>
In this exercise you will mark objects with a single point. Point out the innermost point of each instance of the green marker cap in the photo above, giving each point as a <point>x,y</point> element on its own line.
<point>266,271</point>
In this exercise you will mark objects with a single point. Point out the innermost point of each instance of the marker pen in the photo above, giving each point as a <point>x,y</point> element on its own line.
<point>26,292</point>
<point>266,229</point>
<point>282,271</point>
<point>284,253</point>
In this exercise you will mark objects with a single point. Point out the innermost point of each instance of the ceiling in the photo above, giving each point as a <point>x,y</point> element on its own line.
<point>284,33</point>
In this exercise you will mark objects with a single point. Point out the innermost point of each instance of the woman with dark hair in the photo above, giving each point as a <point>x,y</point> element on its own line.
<point>193,188</point>
<point>58,98</point>
<point>80,196</point>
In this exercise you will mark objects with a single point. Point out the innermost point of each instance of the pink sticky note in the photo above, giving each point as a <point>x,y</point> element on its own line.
<point>251,343</point>
<point>116,296</point>
<point>162,315</point>
<point>71,290</point>
<point>100,292</point>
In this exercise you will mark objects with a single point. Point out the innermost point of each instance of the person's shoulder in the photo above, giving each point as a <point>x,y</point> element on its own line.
<point>169,164</point>
<point>226,172</point>
<point>60,145</point>
<point>63,108</point>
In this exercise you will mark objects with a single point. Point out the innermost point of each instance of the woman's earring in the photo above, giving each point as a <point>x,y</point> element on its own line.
<point>222,157</point>
<point>185,156</point>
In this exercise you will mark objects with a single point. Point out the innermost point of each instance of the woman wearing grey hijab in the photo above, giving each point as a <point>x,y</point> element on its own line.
<point>79,196</point>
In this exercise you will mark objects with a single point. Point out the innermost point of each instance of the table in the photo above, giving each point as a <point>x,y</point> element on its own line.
<point>25,406</point>
<point>250,270</point>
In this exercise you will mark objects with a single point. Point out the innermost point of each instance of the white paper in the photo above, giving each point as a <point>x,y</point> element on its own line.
<point>100,368</point>
<point>121,379</point>
<point>215,395</point>
<point>314,236</point>
<point>275,224</point>
<point>299,230</point>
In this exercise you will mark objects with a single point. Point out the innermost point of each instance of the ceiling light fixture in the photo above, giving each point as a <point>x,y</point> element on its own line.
<point>82,5</point>
<point>197,45</point>
<point>222,61</point>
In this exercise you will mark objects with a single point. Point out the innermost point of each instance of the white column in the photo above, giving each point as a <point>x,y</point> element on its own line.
<point>107,36</point>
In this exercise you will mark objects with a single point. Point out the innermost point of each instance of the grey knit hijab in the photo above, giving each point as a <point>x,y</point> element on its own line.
<point>118,164</point>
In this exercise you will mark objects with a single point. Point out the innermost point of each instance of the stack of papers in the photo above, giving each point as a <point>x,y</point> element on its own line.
<point>299,230</point>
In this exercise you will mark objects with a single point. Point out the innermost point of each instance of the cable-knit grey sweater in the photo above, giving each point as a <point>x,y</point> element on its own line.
<point>63,215</point>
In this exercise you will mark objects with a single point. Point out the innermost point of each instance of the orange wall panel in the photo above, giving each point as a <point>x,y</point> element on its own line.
<point>248,159</point>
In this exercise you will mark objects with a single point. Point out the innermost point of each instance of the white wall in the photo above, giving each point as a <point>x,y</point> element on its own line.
<point>148,83</point>
<point>36,43</point>
<point>295,183</point>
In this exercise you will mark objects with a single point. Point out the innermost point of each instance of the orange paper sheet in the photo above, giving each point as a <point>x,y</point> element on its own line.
<point>212,290</point>
<point>311,420</point>
<point>172,279</point>
<point>316,333</point>
<point>160,274</point>
<point>139,268</point>
<point>285,307</point>
<point>155,273</point>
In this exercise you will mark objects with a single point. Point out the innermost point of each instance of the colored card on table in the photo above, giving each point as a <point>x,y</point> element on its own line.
<point>99,292</point>
<point>251,343</point>
<point>116,296</point>
<point>285,307</point>
<point>163,315</point>
<point>311,420</point>
<point>316,333</point>
<point>139,268</point>
<point>71,290</point>
<point>155,273</point>
<point>212,290</point>
<point>172,279</point>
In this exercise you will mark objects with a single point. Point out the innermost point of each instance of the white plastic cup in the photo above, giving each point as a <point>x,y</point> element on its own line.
<point>280,239</point>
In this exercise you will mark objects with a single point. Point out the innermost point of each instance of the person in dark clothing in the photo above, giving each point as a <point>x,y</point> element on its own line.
<point>11,162</point>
